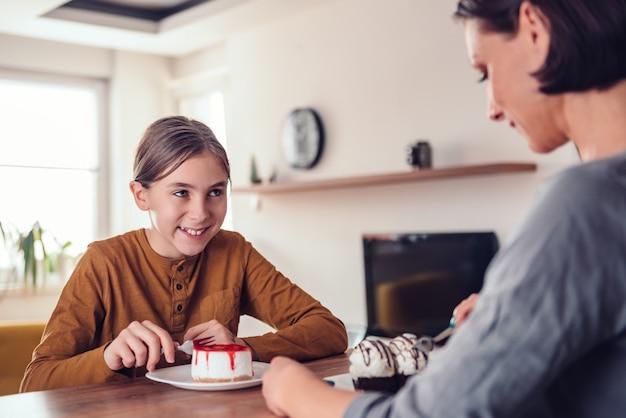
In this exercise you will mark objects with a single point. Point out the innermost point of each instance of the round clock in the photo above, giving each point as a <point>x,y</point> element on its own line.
<point>303,138</point>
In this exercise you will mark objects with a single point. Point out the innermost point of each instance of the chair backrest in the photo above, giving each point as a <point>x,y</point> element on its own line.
<point>17,342</point>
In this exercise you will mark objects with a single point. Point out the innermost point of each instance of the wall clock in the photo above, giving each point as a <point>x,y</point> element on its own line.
<point>303,138</point>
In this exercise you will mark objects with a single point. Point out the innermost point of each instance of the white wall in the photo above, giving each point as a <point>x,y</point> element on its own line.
<point>382,73</point>
<point>139,95</point>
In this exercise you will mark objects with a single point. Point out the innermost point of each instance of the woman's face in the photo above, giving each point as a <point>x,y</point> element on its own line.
<point>187,208</point>
<point>506,65</point>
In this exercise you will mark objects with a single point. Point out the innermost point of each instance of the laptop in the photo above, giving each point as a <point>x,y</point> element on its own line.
<point>413,281</point>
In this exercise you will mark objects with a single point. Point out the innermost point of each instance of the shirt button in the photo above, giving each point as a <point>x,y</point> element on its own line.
<point>179,286</point>
<point>179,268</point>
<point>179,308</point>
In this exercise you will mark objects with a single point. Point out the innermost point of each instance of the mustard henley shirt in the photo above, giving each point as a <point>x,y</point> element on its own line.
<point>121,279</point>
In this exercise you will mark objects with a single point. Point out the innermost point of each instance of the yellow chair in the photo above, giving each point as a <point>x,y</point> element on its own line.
<point>410,302</point>
<point>17,342</point>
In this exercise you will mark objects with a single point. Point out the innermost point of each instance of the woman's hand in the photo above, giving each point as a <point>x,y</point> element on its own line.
<point>278,378</point>
<point>215,333</point>
<point>463,309</point>
<point>139,344</point>
<point>291,389</point>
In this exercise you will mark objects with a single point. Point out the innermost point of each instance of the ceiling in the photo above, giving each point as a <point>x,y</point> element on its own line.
<point>163,27</point>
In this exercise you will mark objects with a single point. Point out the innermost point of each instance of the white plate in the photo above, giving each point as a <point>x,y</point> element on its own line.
<point>180,376</point>
<point>341,381</point>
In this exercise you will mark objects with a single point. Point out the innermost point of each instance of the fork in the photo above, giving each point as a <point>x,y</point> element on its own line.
<point>427,344</point>
<point>187,346</point>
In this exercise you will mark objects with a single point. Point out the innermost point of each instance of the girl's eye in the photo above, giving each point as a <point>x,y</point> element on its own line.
<point>483,77</point>
<point>181,193</point>
<point>215,193</point>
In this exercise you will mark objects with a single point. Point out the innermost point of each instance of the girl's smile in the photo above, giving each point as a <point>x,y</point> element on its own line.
<point>187,207</point>
<point>193,232</point>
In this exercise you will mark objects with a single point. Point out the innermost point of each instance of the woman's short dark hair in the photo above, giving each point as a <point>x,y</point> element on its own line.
<point>169,142</point>
<point>588,39</point>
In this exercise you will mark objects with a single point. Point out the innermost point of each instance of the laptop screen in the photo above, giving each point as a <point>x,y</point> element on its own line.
<point>413,281</point>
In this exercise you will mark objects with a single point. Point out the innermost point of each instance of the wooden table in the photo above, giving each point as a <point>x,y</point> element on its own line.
<point>143,397</point>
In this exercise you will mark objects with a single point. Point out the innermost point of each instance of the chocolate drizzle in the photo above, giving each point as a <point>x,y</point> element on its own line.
<point>403,346</point>
<point>367,346</point>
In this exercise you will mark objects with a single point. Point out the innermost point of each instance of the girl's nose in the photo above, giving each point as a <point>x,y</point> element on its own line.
<point>198,210</point>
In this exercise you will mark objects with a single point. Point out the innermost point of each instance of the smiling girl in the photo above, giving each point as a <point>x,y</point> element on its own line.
<point>140,294</point>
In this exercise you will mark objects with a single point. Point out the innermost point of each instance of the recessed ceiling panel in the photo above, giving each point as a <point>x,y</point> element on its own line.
<point>152,10</point>
<point>132,25</point>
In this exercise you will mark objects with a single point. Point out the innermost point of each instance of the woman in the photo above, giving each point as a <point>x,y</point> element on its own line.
<point>134,297</point>
<point>547,334</point>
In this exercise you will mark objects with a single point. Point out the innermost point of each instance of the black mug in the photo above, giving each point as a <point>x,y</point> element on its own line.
<point>419,155</point>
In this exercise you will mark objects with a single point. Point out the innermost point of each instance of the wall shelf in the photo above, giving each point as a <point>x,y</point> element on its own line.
<point>392,178</point>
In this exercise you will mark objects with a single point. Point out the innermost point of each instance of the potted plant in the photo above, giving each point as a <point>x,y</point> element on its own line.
<point>33,250</point>
<point>30,254</point>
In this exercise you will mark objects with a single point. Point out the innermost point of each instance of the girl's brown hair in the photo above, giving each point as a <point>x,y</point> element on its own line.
<point>169,142</point>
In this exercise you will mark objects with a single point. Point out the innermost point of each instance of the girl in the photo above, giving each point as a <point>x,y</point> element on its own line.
<point>136,295</point>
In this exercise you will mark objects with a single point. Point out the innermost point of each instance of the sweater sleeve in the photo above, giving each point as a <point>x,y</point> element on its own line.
<point>69,342</point>
<point>304,328</point>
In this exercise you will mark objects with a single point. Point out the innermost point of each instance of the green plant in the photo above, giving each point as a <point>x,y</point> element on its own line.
<point>31,245</point>
<point>31,250</point>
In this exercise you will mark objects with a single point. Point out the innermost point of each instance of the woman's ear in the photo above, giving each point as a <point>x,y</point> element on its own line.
<point>139,194</point>
<point>534,27</point>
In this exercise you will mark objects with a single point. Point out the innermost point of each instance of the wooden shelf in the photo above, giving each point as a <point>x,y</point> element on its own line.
<point>380,179</point>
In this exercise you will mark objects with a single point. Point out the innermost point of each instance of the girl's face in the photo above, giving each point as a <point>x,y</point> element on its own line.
<point>513,93</point>
<point>187,208</point>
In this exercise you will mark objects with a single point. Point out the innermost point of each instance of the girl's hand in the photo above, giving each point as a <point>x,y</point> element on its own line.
<point>463,309</point>
<point>139,344</point>
<point>215,333</point>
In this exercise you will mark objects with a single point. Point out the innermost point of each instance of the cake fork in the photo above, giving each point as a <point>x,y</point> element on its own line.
<point>427,344</point>
<point>187,346</point>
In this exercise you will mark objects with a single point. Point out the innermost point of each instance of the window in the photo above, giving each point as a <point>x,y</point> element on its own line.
<point>208,107</point>
<point>51,131</point>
